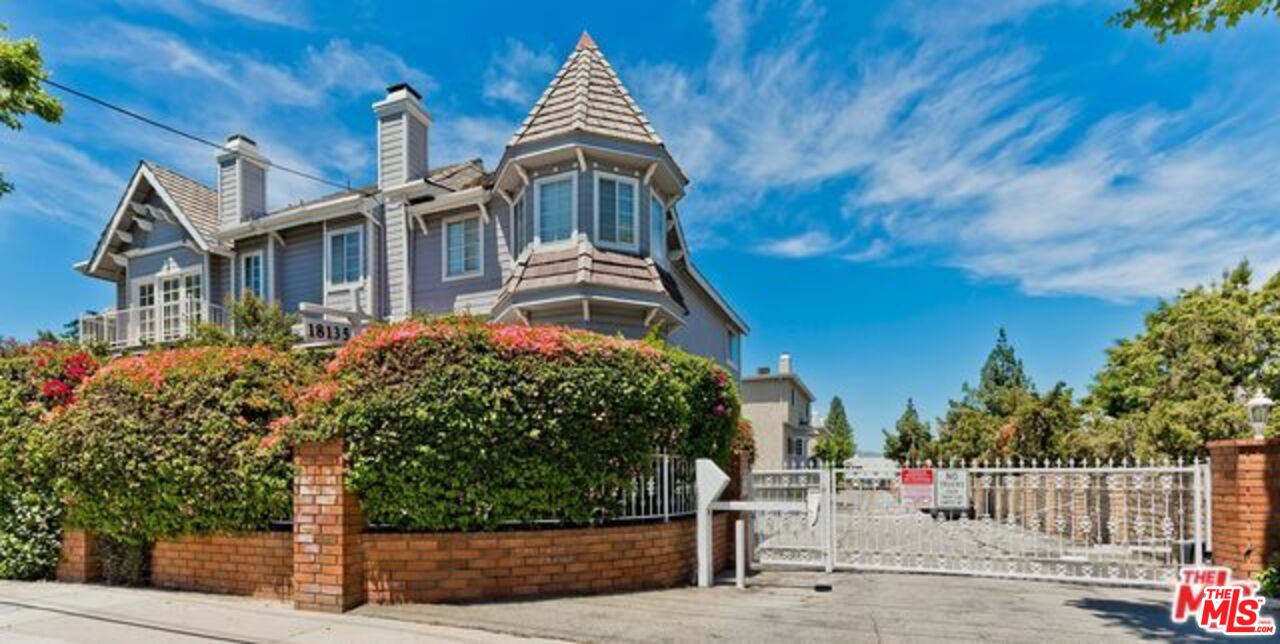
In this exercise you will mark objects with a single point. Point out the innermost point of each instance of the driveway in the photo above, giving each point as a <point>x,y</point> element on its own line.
<point>783,606</point>
<point>52,612</point>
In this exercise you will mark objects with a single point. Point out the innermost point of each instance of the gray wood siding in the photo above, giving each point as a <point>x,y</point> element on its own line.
<point>391,162</point>
<point>431,294</point>
<point>228,193</point>
<point>397,247</point>
<point>148,265</point>
<point>706,330</point>
<point>300,266</point>
<point>254,186</point>
<point>219,268</point>
<point>417,162</point>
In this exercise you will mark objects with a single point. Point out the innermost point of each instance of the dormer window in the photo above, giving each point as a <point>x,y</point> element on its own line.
<point>555,207</point>
<point>616,212</point>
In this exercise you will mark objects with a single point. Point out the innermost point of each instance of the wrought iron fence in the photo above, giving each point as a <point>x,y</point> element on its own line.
<point>1127,523</point>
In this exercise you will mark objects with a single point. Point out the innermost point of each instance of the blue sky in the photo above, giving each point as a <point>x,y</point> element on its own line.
<point>877,186</point>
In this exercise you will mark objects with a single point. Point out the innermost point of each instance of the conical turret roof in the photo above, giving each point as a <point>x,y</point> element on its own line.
<point>586,95</point>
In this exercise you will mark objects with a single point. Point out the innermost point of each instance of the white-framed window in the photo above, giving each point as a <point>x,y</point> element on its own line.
<point>146,303</point>
<point>657,229</point>
<point>346,255</point>
<point>463,241</point>
<point>253,274</point>
<point>735,350</point>
<point>555,208</point>
<point>617,211</point>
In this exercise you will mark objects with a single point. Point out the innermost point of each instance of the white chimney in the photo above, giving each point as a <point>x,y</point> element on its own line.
<point>402,136</point>
<point>242,181</point>
<point>784,363</point>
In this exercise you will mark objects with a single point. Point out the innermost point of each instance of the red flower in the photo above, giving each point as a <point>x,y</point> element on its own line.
<point>57,391</point>
<point>78,366</point>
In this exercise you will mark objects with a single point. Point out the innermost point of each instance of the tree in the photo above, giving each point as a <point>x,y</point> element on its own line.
<point>253,322</point>
<point>1176,17</point>
<point>835,444</point>
<point>1176,385</point>
<point>21,72</point>
<point>911,439</point>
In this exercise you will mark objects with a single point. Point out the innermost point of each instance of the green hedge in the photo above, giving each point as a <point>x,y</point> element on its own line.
<point>34,380</point>
<point>457,424</point>
<point>183,441</point>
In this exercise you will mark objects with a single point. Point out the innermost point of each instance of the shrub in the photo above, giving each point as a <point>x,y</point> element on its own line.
<point>456,424</point>
<point>33,380</point>
<point>125,563</point>
<point>184,441</point>
<point>1269,578</point>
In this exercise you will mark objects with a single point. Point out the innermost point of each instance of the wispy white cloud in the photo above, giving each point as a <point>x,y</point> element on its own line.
<point>284,13</point>
<point>517,73</point>
<point>289,105</point>
<point>951,148</point>
<point>808,244</point>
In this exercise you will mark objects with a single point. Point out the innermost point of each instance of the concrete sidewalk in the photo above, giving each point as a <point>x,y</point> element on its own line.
<point>53,612</point>
<point>784,607</point>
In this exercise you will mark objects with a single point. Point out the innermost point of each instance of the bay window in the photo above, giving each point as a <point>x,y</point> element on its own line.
<point>555,208</point>
<point>657,230</point>
<point>616,211</point>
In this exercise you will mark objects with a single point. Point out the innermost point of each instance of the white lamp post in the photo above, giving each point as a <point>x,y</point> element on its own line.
<point>1259,412</point>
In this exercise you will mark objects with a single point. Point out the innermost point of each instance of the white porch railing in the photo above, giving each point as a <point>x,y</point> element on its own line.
<point>144,325</point>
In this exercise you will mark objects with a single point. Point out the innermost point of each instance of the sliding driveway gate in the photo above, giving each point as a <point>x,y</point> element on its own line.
<point>1129,524</point>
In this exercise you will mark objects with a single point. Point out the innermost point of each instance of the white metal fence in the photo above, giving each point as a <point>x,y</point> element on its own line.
<point>662,490</point>
<point>1104,523</point>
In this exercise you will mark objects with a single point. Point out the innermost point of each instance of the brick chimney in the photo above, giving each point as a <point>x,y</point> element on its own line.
<point>402,136</point>
<point>242,181</point>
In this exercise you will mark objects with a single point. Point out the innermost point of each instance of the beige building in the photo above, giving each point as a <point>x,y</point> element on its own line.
<point>778,406</point>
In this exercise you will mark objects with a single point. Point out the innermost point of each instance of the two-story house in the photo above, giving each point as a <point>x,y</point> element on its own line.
<point>577,224</point>
<point>778,405</point>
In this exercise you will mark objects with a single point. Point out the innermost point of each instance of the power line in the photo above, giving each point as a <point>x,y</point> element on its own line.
<point>187,135</point>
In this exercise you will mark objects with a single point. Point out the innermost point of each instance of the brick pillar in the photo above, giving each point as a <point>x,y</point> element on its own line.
<point>78,560</point>
<point>328,560</point>
<point>1246,503</point>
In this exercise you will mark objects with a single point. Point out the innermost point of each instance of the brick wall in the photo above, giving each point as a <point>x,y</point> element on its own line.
<point>78,560</point>
<point>1246,503</point>
<point>328,563</point>
<point>450,567</point>
<point>256,565</point>
<point>328,560</point>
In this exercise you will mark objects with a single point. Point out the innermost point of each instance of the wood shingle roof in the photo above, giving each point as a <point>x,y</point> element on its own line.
<point>586,95</point>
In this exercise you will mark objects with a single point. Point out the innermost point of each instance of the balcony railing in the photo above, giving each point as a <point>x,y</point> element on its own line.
<point>145,325</point>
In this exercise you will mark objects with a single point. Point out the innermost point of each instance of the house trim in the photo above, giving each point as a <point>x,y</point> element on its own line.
<point>143,172</point>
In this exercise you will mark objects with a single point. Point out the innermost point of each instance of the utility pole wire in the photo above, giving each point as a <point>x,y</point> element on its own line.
<point>187,135</point>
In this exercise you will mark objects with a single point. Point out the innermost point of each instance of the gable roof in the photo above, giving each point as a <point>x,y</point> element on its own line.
<point>194,199</point>
<point>586,95</point>
<point>458,176</point>
<point>179,193</point>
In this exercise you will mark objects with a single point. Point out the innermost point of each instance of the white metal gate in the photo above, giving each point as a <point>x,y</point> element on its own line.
<point>1118,524</point>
